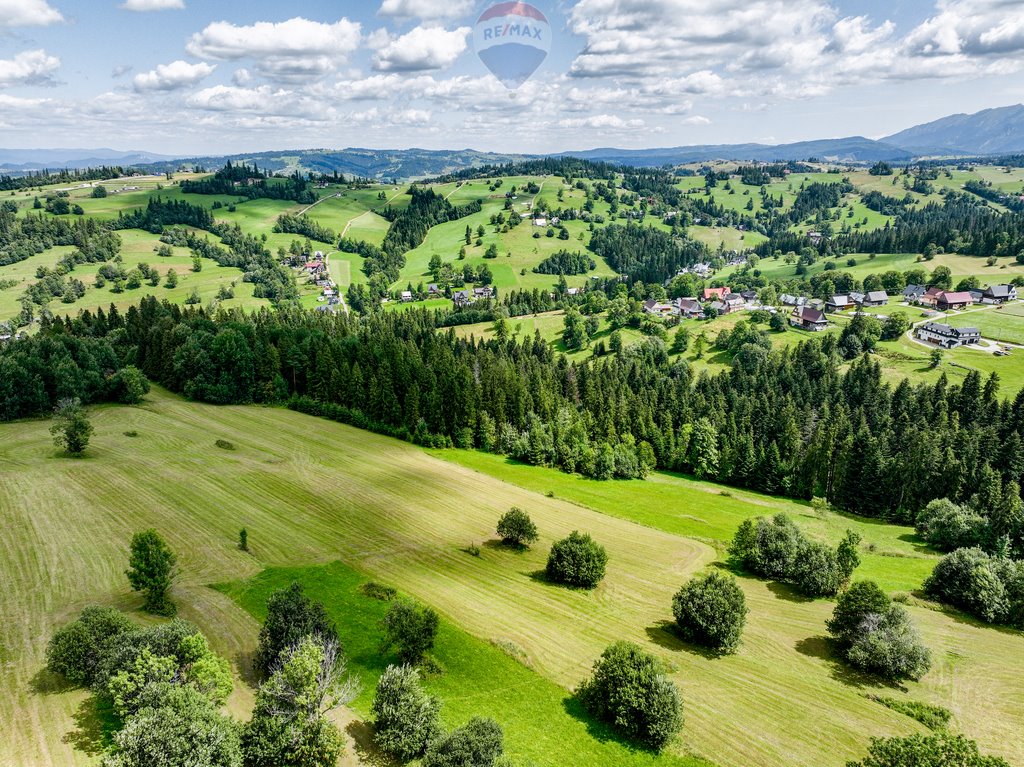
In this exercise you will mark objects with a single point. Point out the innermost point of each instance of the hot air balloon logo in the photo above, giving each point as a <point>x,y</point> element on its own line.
<point>512,39</point>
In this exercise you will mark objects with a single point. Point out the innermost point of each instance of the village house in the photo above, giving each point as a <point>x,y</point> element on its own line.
<point>838,304</point>
<point>807,318</point>
<point>485,292</point>
<point>750,296</point>
<point>948,337</point>
<point>406,296</point>
<point>433,291</point>
<point>659,308</point>
<point>856,298</point>
<point>461,298</point>
<point>999,294</point>
<point>712,294</point>
<point>689,308</point>
<point>874,298</point>
<point>719,307</point>
<point>954,300</point>
<point>930,297</point>
<point>539,221</point>
<point>734,301</point>
<point>912,293</point>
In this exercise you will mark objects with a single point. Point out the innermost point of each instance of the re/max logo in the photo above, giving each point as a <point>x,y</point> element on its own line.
<point>512,30</point>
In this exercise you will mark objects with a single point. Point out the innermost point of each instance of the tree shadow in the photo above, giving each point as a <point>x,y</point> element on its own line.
<point>600,731</point>
<point>94,728</point>
<point>497,544</point>
<point>45,682</point>
<point>786,592</point>
<point>824,649</point>
<point>665,634</point>
<point>918,543</point>
<point>247,668</point>
<point>365,749</point>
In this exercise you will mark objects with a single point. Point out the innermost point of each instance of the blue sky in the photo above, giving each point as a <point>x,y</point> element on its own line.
<point>205,76</point>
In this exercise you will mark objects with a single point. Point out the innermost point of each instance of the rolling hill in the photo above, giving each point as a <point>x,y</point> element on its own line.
<point>992,131</point>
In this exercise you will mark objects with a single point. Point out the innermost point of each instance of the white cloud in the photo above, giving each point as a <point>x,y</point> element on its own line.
<point>423,48</point>
<point>242,77</point>
<point>28,68</point>
<point>293,50</point>
<point>28,13</point>
<point>602,122</point>
<point>426,9</point>
<point>170,77</point>
<point>153,5</point>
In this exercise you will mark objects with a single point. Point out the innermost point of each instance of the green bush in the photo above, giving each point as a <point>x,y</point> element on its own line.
<point>629,690</point>
<point>711,610</point>
<point>932,717</point>
<point>990,588</point>
<point>405,718</point>
<point>411,628</point>
<point>478,743</point>
<point>577,561</point>
<point>939,750</point>
<point>75,650</point>
<point>291,615</point>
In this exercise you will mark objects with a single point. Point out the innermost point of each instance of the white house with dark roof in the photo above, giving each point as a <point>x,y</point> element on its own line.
<point>948,337</point>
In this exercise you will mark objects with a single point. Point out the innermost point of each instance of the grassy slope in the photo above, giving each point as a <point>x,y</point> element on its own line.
<point>312,492</point>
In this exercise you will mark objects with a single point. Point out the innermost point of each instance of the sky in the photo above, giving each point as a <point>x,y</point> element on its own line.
<point>195,77</point>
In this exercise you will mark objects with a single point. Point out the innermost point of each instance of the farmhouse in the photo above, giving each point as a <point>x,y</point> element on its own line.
<point>999,294</point>
<point>838,304</point>
<point>434,291</point>
<point>875,298</point>
<point>712,294</point>
<point>461,298</point>
<point>912,293</point>
<point>406,296</point>
<point>930,297</point>
<point>734,301</point>
<point>946,336</point>
<point>808,319</point>
<point>485,292</point>
<point>951,300</point>
<point>659,308</point>
<point>689,308</point>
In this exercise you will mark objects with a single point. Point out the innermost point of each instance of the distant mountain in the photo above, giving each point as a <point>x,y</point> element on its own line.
<point>856,149</point>
<point>362,163</point>
<point>24,160</point>
<point>992,131</point>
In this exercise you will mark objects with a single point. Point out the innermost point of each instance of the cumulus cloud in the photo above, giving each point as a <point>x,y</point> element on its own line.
<point>602,122</point>
<point>422,49</point>
<point>293,50</point>
<point>28,13</point>
<point>426,9</point>
<point>28,68</point>
<point>173,76</point>
<point>153,5</point>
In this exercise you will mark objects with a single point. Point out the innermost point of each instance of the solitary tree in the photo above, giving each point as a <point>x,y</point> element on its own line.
<point>405,718</point>
<point>478,743</point>
<point>516,528</point>
<point>577,561</point>
<point>411,628</point>
<point>291,615</point>
<point>711,610</point>
<point>152,571</point>
<point>71,429</point>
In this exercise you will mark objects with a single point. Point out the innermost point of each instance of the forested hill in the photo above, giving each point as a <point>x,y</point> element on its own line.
<point>788,421</point>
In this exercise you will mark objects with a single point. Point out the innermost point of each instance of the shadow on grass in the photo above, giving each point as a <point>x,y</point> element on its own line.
<point>497,544</point>
<point>823,648</point>
<point>246,667</point>
<point>666,635</point>
<point>788,593</point>
<point>918,543</point>
<point>541,577</point>
<point>365,749</point>
<point>94,727</point>
<point>599,731</point>
<point>47,683</point>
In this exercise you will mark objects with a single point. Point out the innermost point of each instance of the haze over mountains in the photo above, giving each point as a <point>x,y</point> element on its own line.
<point>990,132</point>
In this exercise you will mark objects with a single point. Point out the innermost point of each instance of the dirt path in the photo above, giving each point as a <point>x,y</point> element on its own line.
<point>322,199</point>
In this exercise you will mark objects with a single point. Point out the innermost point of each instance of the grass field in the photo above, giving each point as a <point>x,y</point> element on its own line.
<point>312,492</point>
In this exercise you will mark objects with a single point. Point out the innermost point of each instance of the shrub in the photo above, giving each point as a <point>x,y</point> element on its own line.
<point>948,526</point>
<point>776,548</point>
<point>410,627</point>
<point>75,650</point>
<point>876,635</point>
<point>577,561</point>
<point>478,743</point>
<point>378,591</point>
<point>223,444</point>
<point>71,429</point>
<point>932,717</point>
<point>711,610</point>
<point>405,718</point>
<point>166,640</point>
<point>184,728</point>
<point>516,528</point>
<point>989,588</point>
<point>151,570</point>
<point>629,690</point>
<point>939,750</point>
<point>291,616</point>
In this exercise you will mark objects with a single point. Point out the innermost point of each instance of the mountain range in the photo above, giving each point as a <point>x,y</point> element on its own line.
<point>990,132</point>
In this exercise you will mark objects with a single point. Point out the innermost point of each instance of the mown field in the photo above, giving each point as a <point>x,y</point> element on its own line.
<point>313,493</point>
